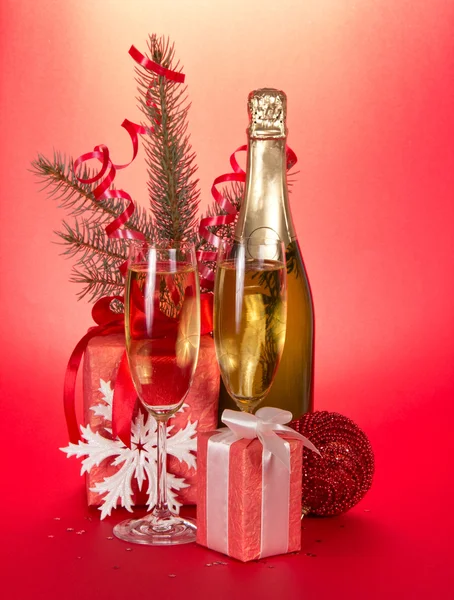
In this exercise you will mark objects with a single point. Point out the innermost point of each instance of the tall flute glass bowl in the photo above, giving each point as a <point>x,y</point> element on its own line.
<point>250,312</point>
<point>162,326</point>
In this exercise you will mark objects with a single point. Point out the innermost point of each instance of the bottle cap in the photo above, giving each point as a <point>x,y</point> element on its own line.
<point>267,109</point>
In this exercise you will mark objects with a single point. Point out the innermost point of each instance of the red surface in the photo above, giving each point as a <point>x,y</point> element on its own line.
<point>371,102</point>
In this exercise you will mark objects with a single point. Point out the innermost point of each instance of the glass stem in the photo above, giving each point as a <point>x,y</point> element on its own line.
<point>161,508</point>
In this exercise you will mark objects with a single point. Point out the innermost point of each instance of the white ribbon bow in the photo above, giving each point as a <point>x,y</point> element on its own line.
<point>265,425</point>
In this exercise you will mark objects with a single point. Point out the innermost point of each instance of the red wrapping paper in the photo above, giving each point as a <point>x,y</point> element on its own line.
<point>101,361</point>
<point>245,496</point>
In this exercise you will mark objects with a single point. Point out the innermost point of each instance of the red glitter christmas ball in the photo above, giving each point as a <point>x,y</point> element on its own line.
<point>338,479</point>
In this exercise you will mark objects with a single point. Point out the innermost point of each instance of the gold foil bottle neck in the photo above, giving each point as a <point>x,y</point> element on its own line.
<point>267,113</point>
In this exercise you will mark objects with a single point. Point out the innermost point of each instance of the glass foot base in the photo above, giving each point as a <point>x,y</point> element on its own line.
<point>157,532</point>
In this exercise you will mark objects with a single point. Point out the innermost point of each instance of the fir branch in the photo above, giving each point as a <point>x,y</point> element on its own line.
<point>89,241</point>
<point>97,281</point>
<point>60,182</point>
<point>98,258</point>
<point>173,190</point>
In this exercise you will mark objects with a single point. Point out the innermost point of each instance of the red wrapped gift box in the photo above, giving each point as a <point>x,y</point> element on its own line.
<point>249,503</point>
<point>101,361</point>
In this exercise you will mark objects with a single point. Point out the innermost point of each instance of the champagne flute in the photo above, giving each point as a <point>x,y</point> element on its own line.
<point>250,309</point>
<point>162,326</point>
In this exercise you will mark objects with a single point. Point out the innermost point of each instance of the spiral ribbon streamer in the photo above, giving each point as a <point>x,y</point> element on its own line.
<point>108,169</point>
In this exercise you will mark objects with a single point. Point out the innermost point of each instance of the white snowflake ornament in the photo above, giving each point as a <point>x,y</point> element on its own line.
<point>138,462</point>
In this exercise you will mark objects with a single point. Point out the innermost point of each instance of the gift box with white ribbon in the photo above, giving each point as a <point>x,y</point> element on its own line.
<point>249,485</point>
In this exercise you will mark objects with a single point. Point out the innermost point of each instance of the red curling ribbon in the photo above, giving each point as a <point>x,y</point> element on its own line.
<point>234,163</point>
<point>106,176</point>
<point>155,67</point>
<point>158,70</point>
<point>207,273</point>
<point>291,158</point>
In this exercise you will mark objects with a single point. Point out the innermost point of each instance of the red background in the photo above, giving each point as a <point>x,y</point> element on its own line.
<point>371,97</point>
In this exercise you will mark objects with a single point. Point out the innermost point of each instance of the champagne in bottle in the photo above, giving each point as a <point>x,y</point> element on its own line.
<point>265,211</point>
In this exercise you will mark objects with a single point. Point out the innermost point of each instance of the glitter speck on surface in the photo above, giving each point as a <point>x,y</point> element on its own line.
<point>110,537</point>
<point>128,549</point>
<point>57,519</point>
<point>209,565</point>
<point>70,529</point>
<point>311,554</point>
<point>270,566</point>
<point>50,536</point>
<point>81,532</point>
<point>172,575</point>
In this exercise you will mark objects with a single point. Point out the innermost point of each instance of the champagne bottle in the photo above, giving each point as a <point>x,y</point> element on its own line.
<point>265,210</point>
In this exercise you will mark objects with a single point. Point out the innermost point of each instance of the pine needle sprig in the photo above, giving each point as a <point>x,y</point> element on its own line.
<point>98,257</point>
<point>173,190</point>
<point>99,280</point>
<point>89,240</point>
<point>172,186</point>
<point>60,183</point>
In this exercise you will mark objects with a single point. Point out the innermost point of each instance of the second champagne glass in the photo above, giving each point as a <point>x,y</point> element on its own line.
<point>162,326</point>
<point>250,309</point>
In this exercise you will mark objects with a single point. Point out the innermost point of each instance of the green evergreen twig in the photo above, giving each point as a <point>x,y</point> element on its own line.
<point>97,282</point>
<point>61,183</point>
<point>173,190</point>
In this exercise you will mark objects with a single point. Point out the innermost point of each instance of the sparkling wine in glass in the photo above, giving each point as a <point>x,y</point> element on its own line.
<point>162,326</point>
<point>250,308</point>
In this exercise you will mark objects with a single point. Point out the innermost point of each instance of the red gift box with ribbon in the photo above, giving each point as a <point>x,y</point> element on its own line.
<point>249,485</point>
<point>199,413</point>
<point>117,443</point>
